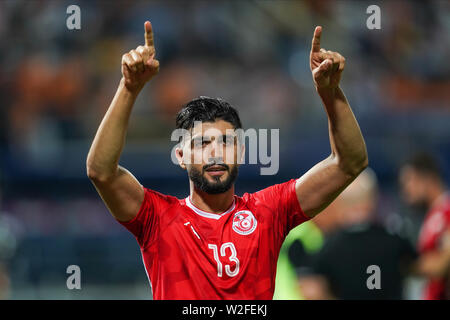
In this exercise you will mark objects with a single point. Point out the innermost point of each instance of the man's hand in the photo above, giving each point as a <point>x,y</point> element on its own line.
<point>326,66</point>
<point>140,65</point>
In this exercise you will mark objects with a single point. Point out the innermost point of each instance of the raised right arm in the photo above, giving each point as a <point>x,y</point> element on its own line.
<point>118,188</point>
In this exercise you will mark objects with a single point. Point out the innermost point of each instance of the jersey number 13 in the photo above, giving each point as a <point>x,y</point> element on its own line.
<point>232,258</point>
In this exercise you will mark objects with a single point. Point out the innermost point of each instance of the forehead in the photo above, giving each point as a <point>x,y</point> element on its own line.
<point>408,172</point>
<point>219,127</point>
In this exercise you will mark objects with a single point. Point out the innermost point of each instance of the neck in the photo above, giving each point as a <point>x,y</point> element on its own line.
<point>214,203</point>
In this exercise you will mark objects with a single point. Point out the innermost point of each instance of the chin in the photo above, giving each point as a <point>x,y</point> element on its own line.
<point>418,205</point>
<point>213,179</point>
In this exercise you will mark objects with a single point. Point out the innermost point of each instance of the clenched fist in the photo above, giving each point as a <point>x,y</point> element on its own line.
<point>326,66</point>
<point>140,65</point>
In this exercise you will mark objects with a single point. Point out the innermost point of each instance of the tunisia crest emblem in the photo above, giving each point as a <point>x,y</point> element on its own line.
<point>244,222</point>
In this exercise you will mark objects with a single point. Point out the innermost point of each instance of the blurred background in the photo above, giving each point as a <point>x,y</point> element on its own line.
<point>56,84</point>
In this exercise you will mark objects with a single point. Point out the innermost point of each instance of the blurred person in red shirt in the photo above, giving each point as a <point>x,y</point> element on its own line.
<point>423,187</point>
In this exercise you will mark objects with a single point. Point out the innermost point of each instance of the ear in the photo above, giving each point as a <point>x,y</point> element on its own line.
<point>179,155</point>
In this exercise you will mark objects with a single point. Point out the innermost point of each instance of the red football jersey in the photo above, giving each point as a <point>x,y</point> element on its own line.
<point>436,222</point>
<point>189,253</point>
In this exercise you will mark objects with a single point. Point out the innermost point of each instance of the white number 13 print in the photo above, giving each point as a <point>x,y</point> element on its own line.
<point>232,258</point>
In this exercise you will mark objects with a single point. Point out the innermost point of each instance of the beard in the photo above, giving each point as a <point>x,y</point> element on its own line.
<point>216,187</point>
<point>420,206</point>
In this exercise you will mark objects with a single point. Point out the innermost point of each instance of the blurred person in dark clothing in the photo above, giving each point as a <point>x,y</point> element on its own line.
<point>8,244</point>
<point>423,187</point>
<point>340,269</point>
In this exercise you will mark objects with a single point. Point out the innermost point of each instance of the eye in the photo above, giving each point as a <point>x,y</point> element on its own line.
<point>200,142</point>
<point>229,140</point>
<point>197,143</point>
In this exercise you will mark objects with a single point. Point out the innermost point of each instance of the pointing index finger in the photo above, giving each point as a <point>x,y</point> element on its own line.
<point>148,34</point>
<point>315,45</point>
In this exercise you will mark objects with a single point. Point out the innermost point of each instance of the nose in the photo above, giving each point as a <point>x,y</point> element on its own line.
<point>216,149</point>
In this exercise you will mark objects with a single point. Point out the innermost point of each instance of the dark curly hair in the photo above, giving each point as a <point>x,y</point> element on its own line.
<point>425,163</point>
<point>206,109</point>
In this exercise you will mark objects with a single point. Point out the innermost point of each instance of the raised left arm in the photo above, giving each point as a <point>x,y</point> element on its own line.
<point>318,187</point>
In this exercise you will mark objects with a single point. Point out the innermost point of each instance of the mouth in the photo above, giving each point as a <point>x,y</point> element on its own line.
<point>216,170</point>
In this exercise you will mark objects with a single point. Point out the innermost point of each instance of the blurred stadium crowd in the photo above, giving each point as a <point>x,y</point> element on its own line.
<point>55,85</point>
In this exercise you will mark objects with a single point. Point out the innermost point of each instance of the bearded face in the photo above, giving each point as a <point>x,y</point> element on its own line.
<point>414,187</point>
<point>210,156</point>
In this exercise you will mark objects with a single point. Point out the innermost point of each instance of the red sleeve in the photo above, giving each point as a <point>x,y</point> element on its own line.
<point>144,225</point>
<point>283,202</point>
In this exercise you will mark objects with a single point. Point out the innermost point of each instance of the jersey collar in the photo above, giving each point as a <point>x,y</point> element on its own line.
<point>206,214</point>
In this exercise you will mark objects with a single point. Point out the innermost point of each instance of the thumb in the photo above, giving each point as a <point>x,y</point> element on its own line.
<point>323,68</point>
<point>152,63</point>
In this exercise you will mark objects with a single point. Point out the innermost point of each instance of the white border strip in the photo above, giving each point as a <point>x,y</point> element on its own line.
<point>208,214</point>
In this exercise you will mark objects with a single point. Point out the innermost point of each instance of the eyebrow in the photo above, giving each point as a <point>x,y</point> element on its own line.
<point>209,138</point>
